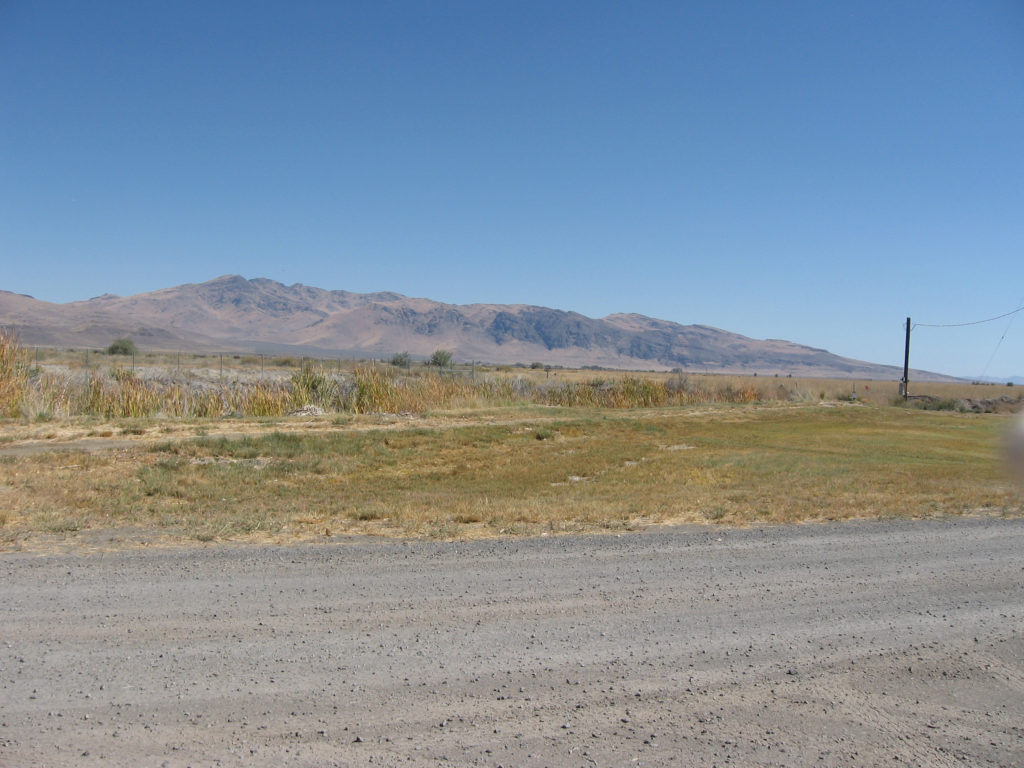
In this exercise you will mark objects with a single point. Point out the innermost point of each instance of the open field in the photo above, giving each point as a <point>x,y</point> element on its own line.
<point>390,451</point>
<point>481,473</point>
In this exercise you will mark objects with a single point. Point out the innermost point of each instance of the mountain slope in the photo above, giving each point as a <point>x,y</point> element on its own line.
<point>235,314</point>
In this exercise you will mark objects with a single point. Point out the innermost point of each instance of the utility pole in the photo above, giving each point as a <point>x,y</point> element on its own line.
<point>905,381</point>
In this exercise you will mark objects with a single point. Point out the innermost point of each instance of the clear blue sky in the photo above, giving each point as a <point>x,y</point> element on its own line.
<point>813,171</point>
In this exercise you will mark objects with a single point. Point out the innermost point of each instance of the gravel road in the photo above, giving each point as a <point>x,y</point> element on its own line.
<point>855,644</point>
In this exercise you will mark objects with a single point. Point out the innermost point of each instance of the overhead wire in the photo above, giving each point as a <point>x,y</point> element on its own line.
<point>999,343</point>
<point>973,322</point>
<point>1012,315</point>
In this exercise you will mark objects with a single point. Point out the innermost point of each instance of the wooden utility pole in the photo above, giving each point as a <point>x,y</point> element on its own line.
<point>905,382</point>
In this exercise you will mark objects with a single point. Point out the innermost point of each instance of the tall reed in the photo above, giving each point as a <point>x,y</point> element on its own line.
<point>121,393</point>
<point>14,374</point>
<point>313,386</point>
<point>379,390</point>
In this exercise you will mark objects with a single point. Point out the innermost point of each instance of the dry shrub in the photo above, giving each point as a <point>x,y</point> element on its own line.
<point>743,393</point>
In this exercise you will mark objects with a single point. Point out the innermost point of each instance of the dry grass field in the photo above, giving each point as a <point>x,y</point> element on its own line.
<point>502,471</point>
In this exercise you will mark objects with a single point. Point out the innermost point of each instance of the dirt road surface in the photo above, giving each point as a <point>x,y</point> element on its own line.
<point>856,644</point>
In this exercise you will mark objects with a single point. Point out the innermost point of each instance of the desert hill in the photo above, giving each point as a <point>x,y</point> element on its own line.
<point>232,313</point>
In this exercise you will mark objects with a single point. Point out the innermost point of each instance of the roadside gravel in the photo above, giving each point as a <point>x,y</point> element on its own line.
<point>866,643</point>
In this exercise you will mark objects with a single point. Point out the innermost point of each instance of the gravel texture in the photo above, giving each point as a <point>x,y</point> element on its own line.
<point>869,643</point>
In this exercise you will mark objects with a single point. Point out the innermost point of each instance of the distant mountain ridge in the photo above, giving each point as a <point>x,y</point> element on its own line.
<point>232,313</point>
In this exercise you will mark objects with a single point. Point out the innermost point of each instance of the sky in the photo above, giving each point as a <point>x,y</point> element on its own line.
<point>810,171</point>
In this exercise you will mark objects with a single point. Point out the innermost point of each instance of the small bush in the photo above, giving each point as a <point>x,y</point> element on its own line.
<point>441,358</point>
<point>938,404</point>
<point>122,346</point>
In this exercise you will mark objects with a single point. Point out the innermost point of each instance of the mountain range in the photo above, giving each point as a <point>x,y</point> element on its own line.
<point>235,314</point>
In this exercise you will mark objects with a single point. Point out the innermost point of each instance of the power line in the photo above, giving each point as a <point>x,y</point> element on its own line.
<point>998,345</point>
<point>973,322</point>
<point>994,351</point>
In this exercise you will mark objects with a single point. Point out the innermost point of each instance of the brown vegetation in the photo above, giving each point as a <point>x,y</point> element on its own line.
<point>65,384</point>
<point>491,452</point>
